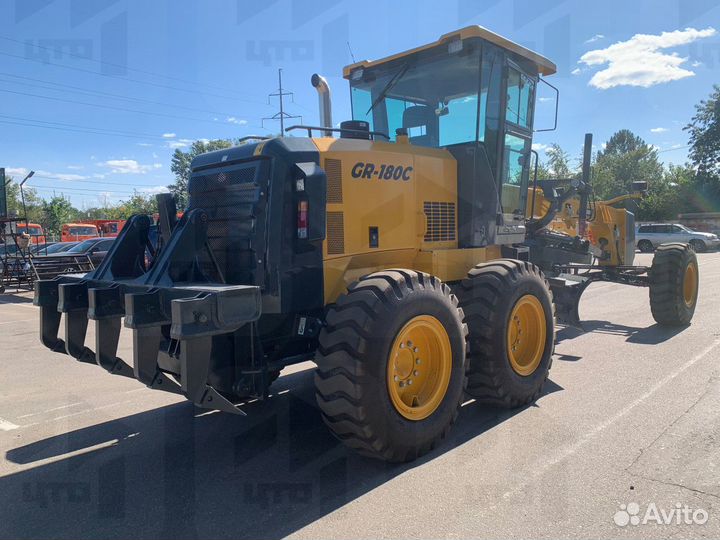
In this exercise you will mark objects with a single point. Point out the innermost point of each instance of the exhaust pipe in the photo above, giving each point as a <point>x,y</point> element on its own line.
<point>323,90</point>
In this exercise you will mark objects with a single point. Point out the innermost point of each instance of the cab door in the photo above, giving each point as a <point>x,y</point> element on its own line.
<point>516,145</point>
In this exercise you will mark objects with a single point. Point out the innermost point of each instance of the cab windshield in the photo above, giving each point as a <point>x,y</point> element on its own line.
<point>435,97</point>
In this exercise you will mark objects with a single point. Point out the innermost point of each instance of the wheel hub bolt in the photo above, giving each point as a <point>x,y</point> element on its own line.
<point>409,382</point>
<point>418,361</point>
<point>416,373</point>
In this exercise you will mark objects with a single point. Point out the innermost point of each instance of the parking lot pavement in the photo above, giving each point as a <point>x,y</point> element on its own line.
<point>629,417</point>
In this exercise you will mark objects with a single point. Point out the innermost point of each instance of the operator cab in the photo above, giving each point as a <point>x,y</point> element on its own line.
<point>472,93</point>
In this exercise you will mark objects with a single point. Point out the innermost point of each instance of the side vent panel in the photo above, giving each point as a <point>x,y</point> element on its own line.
<point>335,233</point>
<point>440,221</point>
<point>333,170</point>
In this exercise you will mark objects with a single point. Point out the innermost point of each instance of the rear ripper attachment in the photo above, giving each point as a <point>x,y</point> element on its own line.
<point>194,301</point>
<point>173,324</point>
<point>194,331</point>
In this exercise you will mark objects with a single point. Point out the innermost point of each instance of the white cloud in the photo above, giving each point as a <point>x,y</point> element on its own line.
<point>154,190</point>
<point>639,62</point>
<point>696,64</point>
<point>144,144</point>
<point>595,38</point>
<point>129,166</point>
<point>21,172</point>
<point>576,71</point>
<point>658,130</point>
<point>180,143</point>
<point>154,155</point>
<point>169,135</point>
<point>539,147</point>
<point>545,99</point>
<point>60,176</point>
<point>76,167</point>
<point>17,172</point>
<point>238,121</point>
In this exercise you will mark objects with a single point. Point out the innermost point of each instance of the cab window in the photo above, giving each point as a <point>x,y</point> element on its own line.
<point>520,98</point>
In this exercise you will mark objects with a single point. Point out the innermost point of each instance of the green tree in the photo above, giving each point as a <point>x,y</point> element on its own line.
<point>704,130</point>
<point>669,195</point>
<point>180,166</point>
<point>137,204</point>
<point>625,159</point>
<point>57,211</point>
<point>558,164</point>
<point>33,203</point>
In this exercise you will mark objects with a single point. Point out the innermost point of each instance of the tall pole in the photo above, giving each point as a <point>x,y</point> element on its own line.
<point>282,113</point>
<point>22,196</point>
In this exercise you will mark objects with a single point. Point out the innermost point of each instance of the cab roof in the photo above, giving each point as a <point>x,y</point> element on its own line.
<point>545,66</point>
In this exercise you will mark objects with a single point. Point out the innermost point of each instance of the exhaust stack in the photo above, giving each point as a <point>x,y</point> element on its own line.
<point>323,90</point>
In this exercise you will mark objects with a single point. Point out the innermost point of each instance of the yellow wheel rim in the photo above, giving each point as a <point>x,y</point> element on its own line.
<point>419,367</point>
<point>690,284</point>
<point>526,335</point>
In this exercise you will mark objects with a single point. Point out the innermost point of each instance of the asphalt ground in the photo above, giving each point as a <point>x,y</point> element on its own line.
<point>629,417</point>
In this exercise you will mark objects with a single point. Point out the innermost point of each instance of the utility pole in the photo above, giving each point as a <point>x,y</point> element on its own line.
<point>22,194</point>
<point>282,115</point>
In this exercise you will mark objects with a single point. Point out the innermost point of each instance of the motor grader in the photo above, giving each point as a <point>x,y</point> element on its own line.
<point>394,251</point>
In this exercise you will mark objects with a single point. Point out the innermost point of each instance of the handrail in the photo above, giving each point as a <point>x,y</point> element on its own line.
<point>310,129</point>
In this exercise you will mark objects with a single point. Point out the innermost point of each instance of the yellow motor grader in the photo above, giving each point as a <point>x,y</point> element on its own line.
<point>394,251</point>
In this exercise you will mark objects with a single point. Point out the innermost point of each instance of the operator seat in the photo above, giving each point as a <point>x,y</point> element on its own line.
<point>421,116</point>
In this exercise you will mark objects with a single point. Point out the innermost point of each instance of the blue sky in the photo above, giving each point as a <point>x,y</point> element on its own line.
<point>96,94</point>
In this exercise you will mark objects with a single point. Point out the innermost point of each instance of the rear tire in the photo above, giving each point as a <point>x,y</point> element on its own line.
<point>698,245</point>
<point>674,284</point>
<point>645,246</point>
<point>496,297</point>
<point>360,349</point>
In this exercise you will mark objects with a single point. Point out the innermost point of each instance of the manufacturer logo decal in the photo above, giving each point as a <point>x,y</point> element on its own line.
<point>382,172</point>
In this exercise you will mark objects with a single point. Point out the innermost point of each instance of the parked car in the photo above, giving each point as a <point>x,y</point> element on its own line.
<point>46,249</point>
<point>650,236</point>
<point>97,248</point>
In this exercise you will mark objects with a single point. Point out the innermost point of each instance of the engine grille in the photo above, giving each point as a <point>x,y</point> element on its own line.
<point>231,198</point>
<point>335,233</point>
<point>333,170</point>
<point>440,221</point>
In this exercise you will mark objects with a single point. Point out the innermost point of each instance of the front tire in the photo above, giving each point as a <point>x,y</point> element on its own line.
<point>698,245</point>
<point>391,364</point>
<point>674,284</point>
<point>509,312</point>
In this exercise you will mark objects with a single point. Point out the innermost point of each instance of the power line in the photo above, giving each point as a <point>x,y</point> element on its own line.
<point>87,180</point>
<point>106,63</point>
<point>110,107</point>
<point>72,188</point>
<point>84,129</point>
<point>8,122</point>
<point>128,79</point>
<point>80,90</point>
